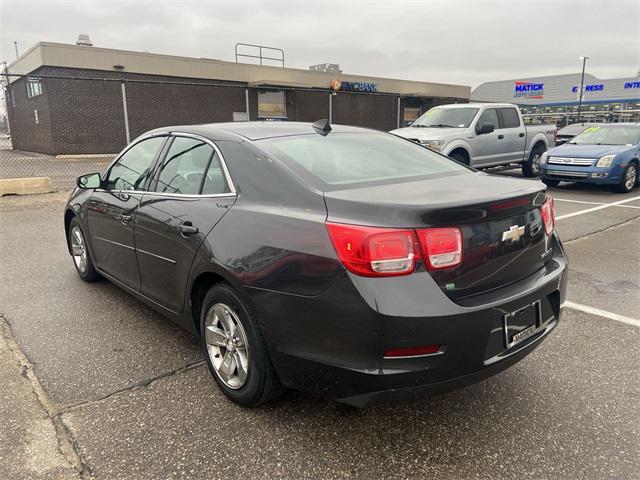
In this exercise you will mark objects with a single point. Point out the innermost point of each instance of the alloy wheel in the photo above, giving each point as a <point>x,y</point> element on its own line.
<point>227,345</point>
<point>630,177</point>
<point>535,163</point>
<point>79,249</point>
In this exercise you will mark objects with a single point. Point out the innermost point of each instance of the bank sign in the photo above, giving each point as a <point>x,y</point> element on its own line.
<point>354,86</point>
<point>528,90</point>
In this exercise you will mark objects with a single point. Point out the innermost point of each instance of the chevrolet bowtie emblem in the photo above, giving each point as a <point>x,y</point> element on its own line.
<point>513,234</point>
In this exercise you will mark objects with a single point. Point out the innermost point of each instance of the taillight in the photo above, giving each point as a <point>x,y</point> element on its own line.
<point>548,212</point>
<point>373,251</point>
<point>441,247</point>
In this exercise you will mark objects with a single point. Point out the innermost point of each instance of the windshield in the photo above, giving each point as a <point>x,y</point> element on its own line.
<point>446,117</point>
<point>355,158</point>
<point>608,135</point>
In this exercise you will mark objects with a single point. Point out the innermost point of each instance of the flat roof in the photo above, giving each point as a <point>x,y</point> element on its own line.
<point>97,58</point>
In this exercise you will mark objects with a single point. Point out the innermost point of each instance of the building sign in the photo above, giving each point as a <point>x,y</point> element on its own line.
<point>589,88</point>
<point>354,86</point>
<point>528,90</point>
<point>631,85</point>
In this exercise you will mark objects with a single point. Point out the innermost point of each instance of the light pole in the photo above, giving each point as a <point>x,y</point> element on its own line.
<point>584,62</point>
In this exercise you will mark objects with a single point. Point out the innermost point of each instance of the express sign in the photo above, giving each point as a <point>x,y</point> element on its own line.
<point>528,90</point>
<point>589,88</point>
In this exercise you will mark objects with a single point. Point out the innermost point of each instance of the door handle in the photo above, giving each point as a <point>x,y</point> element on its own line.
<point>500,137</point>
<point>187,229</point>
<point>125,219</point>
<point>521,134</point>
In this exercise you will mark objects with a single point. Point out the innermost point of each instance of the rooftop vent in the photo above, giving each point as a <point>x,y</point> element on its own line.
<point>83,39</point>
<point>326,68</point>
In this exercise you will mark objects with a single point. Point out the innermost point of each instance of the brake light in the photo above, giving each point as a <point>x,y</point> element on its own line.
<point>373,251</point>
<point>441,247</point>
<point>548,212</point>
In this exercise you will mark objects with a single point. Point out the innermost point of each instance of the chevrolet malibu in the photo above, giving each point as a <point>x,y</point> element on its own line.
<point>346,262</point>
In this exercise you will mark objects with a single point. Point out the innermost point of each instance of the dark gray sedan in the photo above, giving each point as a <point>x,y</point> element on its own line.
<point>346,262</point>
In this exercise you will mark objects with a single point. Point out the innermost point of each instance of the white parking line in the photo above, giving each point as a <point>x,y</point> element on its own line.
<point>601,313</point>
<point>599,207</point>
<point>591,203</point>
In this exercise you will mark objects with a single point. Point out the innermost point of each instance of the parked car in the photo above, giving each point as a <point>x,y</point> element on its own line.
<point>482,135</point>
<point>346,262</point>
<point>605,154</point>
<point>565,134</point>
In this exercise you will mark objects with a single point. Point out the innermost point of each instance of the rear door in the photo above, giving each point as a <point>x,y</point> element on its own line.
<point>190,193</point>
<point>514,135</point>
<point>111,210</point>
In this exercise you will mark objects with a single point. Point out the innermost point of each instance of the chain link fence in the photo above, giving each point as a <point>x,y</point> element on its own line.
<point>58,125</point>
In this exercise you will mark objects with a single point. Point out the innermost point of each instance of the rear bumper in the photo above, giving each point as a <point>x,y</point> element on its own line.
<point>332,345</point>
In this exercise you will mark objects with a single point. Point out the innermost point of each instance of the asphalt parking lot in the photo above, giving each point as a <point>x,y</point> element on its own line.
<point>121,393</point>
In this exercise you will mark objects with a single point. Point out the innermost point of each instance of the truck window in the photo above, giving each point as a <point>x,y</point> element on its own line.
<point>490,115</point>
<point>510,118</point>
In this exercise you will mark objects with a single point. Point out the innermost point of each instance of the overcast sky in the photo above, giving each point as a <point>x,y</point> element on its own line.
<point>454,41</point>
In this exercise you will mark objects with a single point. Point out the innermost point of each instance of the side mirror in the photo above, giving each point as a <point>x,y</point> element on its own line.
<point>89,181</point>
<point>485,128</point>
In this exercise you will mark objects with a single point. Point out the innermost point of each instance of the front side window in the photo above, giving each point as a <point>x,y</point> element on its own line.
<point>34,87</point>
<point>510,118</point>
<point>605,135</point>
<point>355,158</point>
<point>439,117</point>
<point>489,116</point>
<point>191,167</point>
<point>132,168</point>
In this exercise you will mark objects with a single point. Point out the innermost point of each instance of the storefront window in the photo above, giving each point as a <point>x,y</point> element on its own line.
<point>272,104</point>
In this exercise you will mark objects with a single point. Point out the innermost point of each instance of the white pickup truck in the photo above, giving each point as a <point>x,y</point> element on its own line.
<point>482,135</point>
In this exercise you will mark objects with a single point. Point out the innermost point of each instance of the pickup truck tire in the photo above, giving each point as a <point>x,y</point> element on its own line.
<point>550,182</point>
<point>459,157</point>
<point>531,167</point>
<point>629,179</point>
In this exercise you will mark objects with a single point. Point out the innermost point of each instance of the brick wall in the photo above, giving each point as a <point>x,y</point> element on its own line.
<point>26,134</point>
<point>306,106</point>
<point>373,111</point>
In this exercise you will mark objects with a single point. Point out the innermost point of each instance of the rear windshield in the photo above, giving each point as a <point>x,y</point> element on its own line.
<point>354,158</point>
<point>608,136</point>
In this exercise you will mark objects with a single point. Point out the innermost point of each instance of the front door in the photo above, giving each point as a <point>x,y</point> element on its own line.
<point>188,196</point>
<point>487,148</point>
<point>112,208</point>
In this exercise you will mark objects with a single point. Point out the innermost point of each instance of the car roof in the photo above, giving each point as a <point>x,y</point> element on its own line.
<point>255,130</point>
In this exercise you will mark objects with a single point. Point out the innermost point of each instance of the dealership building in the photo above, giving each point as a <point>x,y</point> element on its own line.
<point>555,99</point>
<point>79,99</point>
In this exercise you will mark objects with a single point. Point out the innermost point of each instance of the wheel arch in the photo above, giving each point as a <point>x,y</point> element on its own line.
<point>69,215</point>
<point>463,151</point>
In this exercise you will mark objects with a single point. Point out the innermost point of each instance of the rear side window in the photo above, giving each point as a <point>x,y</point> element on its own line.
<point>510,118</point>
<point>191,167</point>
<point>489,116</point>
<point>354,158</point>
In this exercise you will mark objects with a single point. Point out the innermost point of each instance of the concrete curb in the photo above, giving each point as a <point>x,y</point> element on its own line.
<point>25,186</point>
<point>88,157</point>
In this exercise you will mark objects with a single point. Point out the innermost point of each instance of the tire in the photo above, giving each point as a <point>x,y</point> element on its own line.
<point>80,253</point>
<point>458,157</point>
<point>629,179</point>
<point>229,331</point>
<point>531,168</point>
<point>550,182</point>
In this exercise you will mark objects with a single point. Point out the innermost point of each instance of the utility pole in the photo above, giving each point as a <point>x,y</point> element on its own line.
<point>584,62</point>
<point>15,44</point>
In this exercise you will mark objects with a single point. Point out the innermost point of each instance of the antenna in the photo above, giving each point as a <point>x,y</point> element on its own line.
<point>322,127</point>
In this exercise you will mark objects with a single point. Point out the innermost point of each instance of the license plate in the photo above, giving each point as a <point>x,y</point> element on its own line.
<point>521,324</point>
